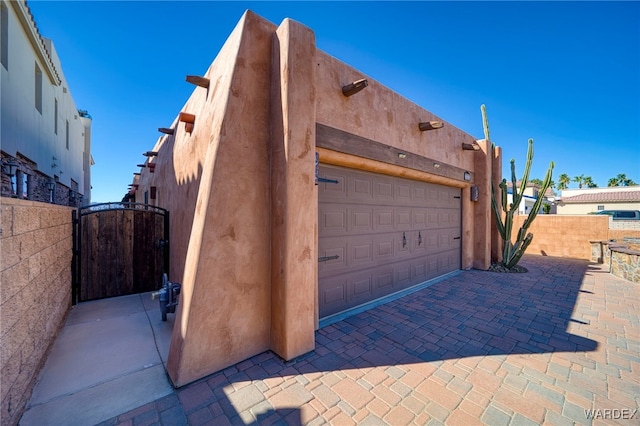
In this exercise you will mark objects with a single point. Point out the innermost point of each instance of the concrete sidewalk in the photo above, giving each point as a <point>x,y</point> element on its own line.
<point>108,358</point>
<point>557,345</point>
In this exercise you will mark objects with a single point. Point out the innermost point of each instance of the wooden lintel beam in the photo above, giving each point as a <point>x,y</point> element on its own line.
<point>348,143</point>
<point>430,125</point>
<point>470,146</point>
<point>355,87</point>
<point>198,81</point>
<point>185,117</point>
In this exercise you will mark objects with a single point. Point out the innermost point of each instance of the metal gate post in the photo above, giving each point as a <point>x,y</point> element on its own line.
<point>167,244</point>
<point>74,258</point>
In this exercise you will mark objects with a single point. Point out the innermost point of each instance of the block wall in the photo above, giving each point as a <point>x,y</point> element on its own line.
<point>565,236</point>
<point>35,295</point>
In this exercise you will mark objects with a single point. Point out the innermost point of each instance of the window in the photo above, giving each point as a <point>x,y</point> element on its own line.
<point>600,207</point>
<point>14,186</point>
<point>67,134</point>
<point>4,36</point>
<point>23,185</point>
<point>55,116</point>
<point>38,89</point>
<point>625,215</point>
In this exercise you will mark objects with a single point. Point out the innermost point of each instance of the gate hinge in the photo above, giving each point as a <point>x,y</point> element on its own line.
<point>326,258</point>
<point>325,180</point>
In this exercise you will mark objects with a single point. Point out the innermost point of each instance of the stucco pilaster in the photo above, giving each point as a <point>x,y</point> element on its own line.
<point>482,208</point>
<point>224,311</point>
<point>466,261</point>
<point>294,196</point>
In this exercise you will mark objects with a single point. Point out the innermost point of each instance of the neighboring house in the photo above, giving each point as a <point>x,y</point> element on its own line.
<point>592,200</point>
<point>45,139</point>
<point>531,194</point>
<point>299,189</point>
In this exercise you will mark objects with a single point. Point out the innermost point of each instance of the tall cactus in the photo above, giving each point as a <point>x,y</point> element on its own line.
<point>513,251</point>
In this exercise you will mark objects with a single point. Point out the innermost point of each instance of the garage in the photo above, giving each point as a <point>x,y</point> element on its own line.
<point>379,234</point>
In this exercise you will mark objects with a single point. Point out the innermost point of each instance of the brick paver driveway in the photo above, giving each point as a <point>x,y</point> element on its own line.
<point>556,345</point>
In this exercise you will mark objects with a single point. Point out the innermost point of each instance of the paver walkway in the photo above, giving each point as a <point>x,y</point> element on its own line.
<point>479,348</point>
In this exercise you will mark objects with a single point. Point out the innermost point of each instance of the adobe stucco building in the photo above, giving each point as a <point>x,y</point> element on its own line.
<point>262,251</point>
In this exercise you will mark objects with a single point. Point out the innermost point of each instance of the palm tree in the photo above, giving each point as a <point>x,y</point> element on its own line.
<point>563,181</point>
<point>613,182</point>
<point>623,180</point>
<point>579,180</point>
<point>588,180</point>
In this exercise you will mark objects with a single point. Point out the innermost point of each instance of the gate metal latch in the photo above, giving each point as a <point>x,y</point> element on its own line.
<point>326,258</point>
<point>168,295</point>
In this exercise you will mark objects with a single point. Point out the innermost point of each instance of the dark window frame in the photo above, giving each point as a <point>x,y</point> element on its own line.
<point>38,88</point>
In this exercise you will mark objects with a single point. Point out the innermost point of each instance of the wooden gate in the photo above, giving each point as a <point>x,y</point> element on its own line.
<point>119,249</point>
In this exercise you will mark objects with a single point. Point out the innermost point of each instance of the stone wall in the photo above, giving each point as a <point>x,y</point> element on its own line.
<point>625,263</point>
<point>35,296</point>
<point>622,257</point>
<point>31,184</point>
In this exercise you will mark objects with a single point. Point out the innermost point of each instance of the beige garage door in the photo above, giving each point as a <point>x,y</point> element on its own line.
<point>380,234</point>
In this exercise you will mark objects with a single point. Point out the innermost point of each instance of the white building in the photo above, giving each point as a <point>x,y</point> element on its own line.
<point>531,194</point>
<point>41,130</point>
<point>592,200</point>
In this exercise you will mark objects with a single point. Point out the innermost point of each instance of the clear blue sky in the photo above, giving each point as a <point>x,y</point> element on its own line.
<point>566,74</point>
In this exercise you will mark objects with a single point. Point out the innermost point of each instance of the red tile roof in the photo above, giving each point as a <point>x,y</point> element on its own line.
<point>623,196</point>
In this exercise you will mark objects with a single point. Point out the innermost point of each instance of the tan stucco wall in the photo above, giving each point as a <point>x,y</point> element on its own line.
<point>241,191</point>
<point>218,195</point>
<point>379,114</point>
<point>564,236</point>
<point>294,196</point>
<point>35,294</point>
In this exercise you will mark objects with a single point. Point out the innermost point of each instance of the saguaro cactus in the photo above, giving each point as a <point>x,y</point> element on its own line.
<point>513,251</point>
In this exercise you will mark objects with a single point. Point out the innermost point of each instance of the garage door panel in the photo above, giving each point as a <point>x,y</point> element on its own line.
<point>431,240</point>
<point>403,219</point>
<point>383,219</point>
<point>419,195</point>
<point>403,243</point>
<point>383,251</point>
<point>332,219</point>
<point>360,188</point>
<point>337,191</point>
<point>383,280</point>
<point>360,220</point>
<point>361,253</point>
<point>360,288</point>
<point>419,218</point>
<point>382,191</point>
<point>329,249</point>
<point>332,296</point>
<point>419,270</point>
<point>389,233</point>
<point>403,275</point>
<point>403,193</point>
<point>418,244</point>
